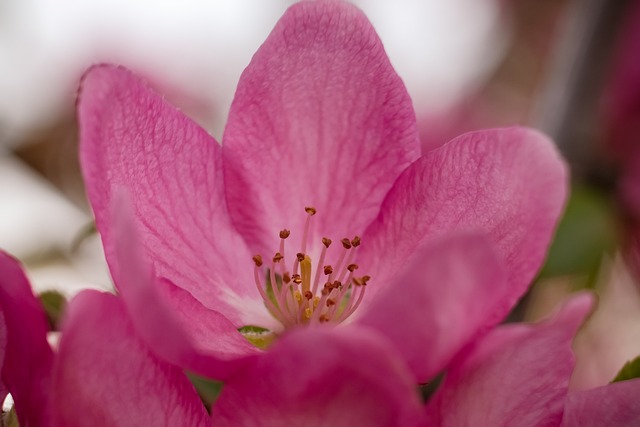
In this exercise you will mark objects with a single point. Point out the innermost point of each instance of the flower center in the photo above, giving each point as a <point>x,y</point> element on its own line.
<point>308,295</point>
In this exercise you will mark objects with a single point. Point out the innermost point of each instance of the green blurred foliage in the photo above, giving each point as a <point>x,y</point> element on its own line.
<point>588,230</point>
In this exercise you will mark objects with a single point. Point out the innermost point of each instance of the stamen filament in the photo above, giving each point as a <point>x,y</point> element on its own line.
<point>349,312</point>
<point>316,280</point>
<point>270,305</point>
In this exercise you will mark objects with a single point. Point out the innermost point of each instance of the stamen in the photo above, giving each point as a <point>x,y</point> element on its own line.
<point>278,293</point>
<point>294,297</point>
<point>284,233</point>
<point>277,313</point>
<point>311,211</point>
<point>352,253</point>
<point>325,245</point>
<point>349,312</point>
<point>346,244</point>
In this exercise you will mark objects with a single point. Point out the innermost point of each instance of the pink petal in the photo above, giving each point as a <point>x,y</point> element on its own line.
<point>321,119</point>
<point>613,405</point>
<point>131,138</point>
<point>24,351</point>
<point>322,376</point>
<point>517,375</point>
<point>105,376</point>
<point>510,183</point>
<point>440,302</point>
<point>171,321</point>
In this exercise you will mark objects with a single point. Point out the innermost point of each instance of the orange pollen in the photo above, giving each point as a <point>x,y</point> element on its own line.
<point>299,294</point>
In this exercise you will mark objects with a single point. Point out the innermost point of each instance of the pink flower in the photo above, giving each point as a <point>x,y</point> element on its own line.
<point>103,374</point>
<point>319,119</point>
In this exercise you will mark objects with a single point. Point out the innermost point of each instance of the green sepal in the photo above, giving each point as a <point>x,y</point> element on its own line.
<point>54,304</point>
<point>207,389</point>
<point>629,371</point>
<point>258,336</point>
<point>10,419</point>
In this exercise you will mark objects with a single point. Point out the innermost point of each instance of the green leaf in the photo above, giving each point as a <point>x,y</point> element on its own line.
<point>587,231</point>
<point>207,389</point>
<point>629,371</point>
<point>54,304</point>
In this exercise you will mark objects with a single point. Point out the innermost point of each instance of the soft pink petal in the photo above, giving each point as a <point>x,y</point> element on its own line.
<point>510,183</point>
<point>444,299</point>
<point>517,375</point>
<point>322,377</point>
<point>25,354</point>
<point>131,138</point>
<point>319,118</point>
<point>613,405</point>
<point>105,376</point>
<point>171,321</point>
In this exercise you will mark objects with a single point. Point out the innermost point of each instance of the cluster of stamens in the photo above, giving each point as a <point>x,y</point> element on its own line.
<point>295,297</point>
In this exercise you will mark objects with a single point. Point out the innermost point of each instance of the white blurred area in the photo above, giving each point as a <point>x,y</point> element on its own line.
<point>194,50</point>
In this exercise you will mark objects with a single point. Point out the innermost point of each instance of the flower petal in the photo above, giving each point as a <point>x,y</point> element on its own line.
<point>320,118</point>
<point>132,138</point>
<point>322,376</point>
<point>105,376</point>
<point>517,375</point>
<point>171,321</point>
<point>440,302</point>
<point>613,405</point>
<point>25,354</point>
<point>510,183</point>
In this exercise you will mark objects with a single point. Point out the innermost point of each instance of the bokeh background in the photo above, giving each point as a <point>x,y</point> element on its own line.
<point>568,67</point>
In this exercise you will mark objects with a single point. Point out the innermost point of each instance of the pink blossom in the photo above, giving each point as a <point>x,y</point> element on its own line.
<point>103,374</point>
<point>320,119</point>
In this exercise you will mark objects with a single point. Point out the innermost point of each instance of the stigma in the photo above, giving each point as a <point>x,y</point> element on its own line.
<point>297,292</point>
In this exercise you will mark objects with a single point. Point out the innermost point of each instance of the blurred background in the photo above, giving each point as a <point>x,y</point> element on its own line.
<point>568,67</point>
